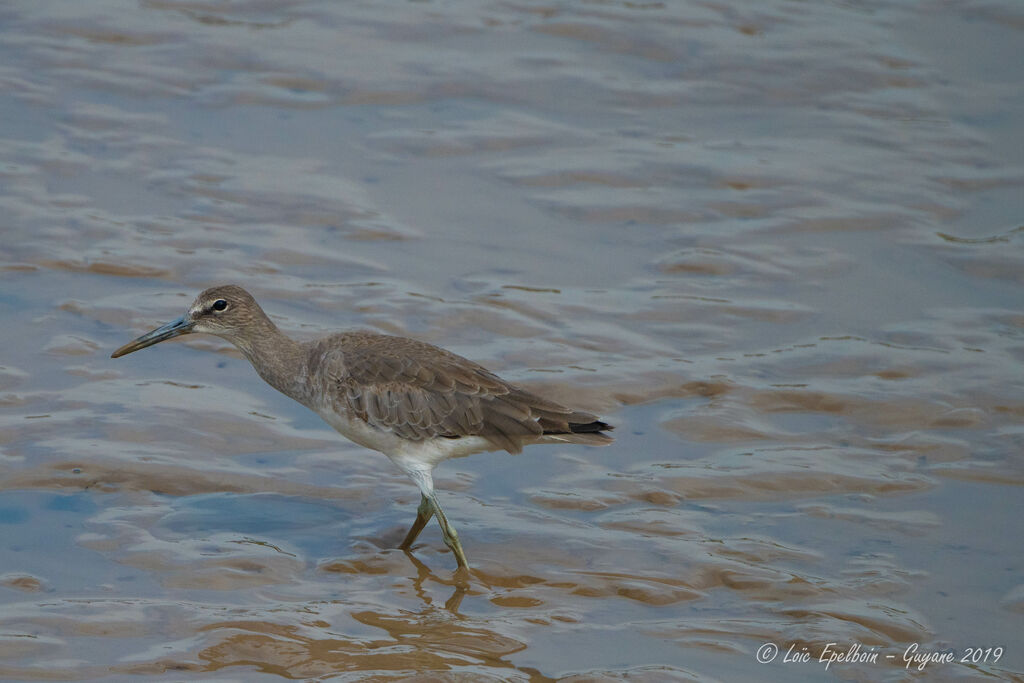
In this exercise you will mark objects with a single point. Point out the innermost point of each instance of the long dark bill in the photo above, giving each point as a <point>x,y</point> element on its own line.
<point>172,329</point>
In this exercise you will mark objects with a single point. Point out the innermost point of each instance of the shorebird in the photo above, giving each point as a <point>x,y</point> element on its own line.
<point>414,402</point>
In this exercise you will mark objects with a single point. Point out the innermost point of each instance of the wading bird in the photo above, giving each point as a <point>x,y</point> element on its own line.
<point>414,402</point>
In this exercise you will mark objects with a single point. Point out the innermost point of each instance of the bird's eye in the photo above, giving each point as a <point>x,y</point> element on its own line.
<point>220,305</point>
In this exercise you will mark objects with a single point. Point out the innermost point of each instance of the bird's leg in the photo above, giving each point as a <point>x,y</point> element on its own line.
<point>423,515</point>
<point>448,533</point>
<point>429,506</point>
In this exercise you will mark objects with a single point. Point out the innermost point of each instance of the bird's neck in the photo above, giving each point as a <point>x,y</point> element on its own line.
<point>277,358</point>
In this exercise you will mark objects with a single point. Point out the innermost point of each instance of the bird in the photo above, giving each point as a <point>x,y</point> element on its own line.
<point>416,403</point>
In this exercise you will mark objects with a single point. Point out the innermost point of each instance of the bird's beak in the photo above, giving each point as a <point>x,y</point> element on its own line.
<point>172,329</point>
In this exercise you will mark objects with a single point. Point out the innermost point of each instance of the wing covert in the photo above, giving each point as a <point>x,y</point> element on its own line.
<point>419,391</point>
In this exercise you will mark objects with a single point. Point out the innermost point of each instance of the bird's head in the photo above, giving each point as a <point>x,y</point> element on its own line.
<point>227,311</point>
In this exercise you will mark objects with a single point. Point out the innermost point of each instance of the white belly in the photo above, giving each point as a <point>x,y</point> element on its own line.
<point>415,458</point>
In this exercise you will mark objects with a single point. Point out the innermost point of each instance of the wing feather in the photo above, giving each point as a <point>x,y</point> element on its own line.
<point>419,391</point>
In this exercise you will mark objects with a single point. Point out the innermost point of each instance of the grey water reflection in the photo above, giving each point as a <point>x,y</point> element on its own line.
<point>775,243</point>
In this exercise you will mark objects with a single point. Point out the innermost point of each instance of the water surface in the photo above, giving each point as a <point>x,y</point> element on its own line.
<point>777,244</point>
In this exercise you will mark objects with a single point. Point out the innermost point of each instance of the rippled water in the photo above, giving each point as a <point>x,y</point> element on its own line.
<point>777,244</point>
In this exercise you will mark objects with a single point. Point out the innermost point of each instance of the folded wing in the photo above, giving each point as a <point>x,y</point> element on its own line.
<point>420,391</point>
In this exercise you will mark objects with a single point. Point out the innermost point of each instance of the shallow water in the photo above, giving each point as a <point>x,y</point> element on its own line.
<point>777,244</point>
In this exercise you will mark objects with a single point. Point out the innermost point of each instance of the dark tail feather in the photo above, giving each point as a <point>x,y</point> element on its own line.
<point>587,433</point>
<point>590,427</point>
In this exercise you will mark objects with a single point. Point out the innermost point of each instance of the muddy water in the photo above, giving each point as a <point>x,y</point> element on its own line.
<point>778,244</point>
